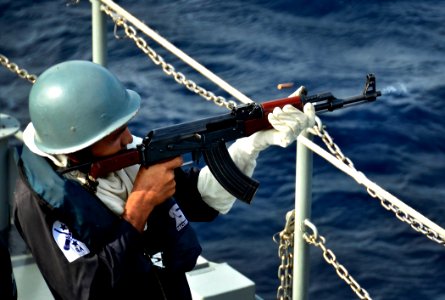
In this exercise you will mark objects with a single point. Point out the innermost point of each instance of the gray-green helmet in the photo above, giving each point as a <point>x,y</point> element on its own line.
<point>74,104</point>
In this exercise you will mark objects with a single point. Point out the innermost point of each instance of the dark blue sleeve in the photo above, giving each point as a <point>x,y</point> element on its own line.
<point>189,199</point>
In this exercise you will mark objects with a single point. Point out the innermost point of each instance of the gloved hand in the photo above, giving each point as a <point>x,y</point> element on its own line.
<point>287,123</point>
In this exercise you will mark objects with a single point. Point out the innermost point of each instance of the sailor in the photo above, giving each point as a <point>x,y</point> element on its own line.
<point>126,235</point>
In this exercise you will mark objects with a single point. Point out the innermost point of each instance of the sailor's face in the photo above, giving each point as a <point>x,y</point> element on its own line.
<point>112,143</point>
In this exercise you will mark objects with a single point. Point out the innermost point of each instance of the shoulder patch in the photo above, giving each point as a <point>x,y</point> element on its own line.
<point>157,260</point>
<point>71,248</point>
<point>176,213</point>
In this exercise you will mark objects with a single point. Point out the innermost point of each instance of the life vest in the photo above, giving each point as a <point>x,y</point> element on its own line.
<point>168,238</point>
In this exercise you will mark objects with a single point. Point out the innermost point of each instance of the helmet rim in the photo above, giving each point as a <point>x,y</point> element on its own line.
<point>74,104</point>
<point>134,99</point>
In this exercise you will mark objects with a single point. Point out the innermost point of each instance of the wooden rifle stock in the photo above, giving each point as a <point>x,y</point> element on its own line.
<point>262,123</point>
<point>114,162</point>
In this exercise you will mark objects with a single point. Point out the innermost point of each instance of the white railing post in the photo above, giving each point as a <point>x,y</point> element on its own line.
<point>99,33</point>
<point>303,200</point>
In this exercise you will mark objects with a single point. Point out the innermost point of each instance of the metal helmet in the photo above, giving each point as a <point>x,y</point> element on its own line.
<point>74,104</point>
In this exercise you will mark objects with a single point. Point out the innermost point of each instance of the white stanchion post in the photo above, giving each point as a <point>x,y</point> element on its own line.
<point>303,200</point>
<point>99,33</point>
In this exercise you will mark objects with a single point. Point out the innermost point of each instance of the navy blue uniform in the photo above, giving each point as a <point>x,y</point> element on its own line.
<point>8,288</point>
<point>122,263</point>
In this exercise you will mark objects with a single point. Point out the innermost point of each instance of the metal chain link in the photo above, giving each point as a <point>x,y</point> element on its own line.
<point>403,216</point>
<point>285,237</point>
<point>168,69</point>
<point>285,240</point>
<point>22,73</point>
<point>329,256</point>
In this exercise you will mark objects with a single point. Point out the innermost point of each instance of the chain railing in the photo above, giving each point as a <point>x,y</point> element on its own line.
<point>319,241</point>
<point>401,213</point>
<point>22,73</point>
<point>285,240</point>
<point>285,237</point>
<point>157,59</point>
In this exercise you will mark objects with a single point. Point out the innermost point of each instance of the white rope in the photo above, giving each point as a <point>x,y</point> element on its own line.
<point>363,180</point>
<point>179,53</point>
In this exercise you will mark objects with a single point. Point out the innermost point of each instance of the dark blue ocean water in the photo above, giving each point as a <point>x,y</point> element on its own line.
<point>398,141</point>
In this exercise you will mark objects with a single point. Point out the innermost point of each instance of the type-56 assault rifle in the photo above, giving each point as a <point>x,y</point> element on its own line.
<point>208,138</point>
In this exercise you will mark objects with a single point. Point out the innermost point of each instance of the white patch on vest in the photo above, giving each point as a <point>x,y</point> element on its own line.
<point>156,259</point>
<point>176,213</point>
<point>71,248</point>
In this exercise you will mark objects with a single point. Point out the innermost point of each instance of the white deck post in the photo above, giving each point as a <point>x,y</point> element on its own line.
<point>303,199</point>
<point>99,33</point>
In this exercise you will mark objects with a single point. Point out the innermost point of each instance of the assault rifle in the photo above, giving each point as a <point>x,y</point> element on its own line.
<point>207,137</point>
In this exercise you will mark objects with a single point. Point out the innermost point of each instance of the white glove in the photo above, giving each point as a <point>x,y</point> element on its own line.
<point>288,123</point>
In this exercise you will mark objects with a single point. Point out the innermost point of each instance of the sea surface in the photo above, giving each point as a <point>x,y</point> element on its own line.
<point>397,141</point>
